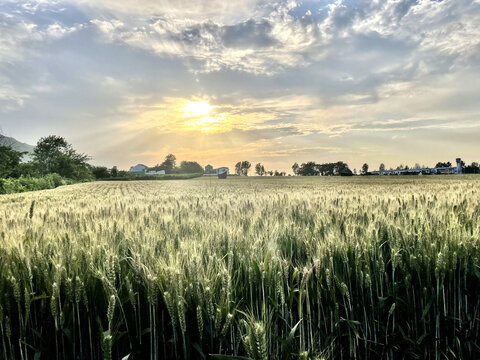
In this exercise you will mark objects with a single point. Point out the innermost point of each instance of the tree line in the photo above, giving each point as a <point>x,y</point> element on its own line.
<point>339,168</point>
<point>55,162</point>
<point>243,167</point>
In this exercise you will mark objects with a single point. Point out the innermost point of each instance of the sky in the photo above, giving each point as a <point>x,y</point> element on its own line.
<point>277,82</point>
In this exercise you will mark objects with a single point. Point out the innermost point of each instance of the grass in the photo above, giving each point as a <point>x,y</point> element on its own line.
<point>273,268</point>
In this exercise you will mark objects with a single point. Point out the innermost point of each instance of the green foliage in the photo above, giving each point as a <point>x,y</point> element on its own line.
<point>27,183</point>
<point>260,169</point>
<point>242,167</point>
<point>53,154</point>
<point>190,167</point>
<point>365,169</point>
<point>329,169</point>
<point>9,162</point>
<point>169,163</point>
<point>100,172</point>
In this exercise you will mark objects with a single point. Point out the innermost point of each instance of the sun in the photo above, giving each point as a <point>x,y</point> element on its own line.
<point>196,109</point>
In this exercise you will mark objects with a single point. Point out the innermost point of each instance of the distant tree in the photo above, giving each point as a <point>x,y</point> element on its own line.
<point>190,167</point>
<point>259,169</point>
<point>9,162</point>
<point>365,169</point>
<point>245,167</point>
<point>444,164</point>
<point>157,167</point>
<point>169,163</point>
<point>308,169</point>
<point>381,167</point>
<point>53,154</point>
<point>238,168</point>
<point>295,168</point>
<point>473,168</point>
<point>114,171</point>
<point>270,173</point>
<point>100,172</point>
<point>339,167</point>
<point>263,170</point>
<point>417,166</point>
<point>346,172</point>
<point>355,171</point>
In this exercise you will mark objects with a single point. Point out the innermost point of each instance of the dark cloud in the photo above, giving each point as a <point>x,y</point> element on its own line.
<point>249,34</point>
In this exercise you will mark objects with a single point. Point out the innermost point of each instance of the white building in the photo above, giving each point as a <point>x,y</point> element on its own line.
<point>139,168</point>
<point>152,172</point>
<point>143,169</point>
<point>210,171</point>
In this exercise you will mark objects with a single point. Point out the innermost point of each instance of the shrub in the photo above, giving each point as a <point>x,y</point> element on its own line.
<point>28,183</point>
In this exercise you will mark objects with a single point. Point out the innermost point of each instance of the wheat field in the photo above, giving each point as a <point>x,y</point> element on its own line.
<point>258,268</point>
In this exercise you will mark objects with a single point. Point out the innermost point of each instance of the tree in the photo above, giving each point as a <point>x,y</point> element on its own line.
<point>443,164</point>
<point>100,172</point>
<point>53,154</point>
<point>365,169</point>
<point>308,169</point>
<point>9,162</point>
<point>346,172</point>
<point>190,167</point>
<point>259,169</point>
<point>339,167</point>
<point>238,168</point>
<point>295,168</point>
<point>474,168</point>
<point>417,166</point>
<point>114,171</point>
<point>169,163</point>
<point>381,167</point>
<point>245,167</point>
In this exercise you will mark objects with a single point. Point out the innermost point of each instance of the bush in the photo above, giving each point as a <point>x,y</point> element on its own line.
<point>28,183</point>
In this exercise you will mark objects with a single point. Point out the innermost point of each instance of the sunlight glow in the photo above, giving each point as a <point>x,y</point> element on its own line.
<point>193,109</point>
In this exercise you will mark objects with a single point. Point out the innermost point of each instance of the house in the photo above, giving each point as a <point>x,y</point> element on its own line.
<point>210,171</point>
<point>139,168</point>
<point>143,169</point>
<point>153,172</point>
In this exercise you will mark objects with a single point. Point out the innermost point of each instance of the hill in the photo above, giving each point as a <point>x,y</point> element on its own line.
<point>17,145</point>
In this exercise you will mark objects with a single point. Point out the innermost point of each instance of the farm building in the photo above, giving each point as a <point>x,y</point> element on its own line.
<point>139,168</point>
<point>210,171</point>
<point>153,172</point>
<point>143,169</point>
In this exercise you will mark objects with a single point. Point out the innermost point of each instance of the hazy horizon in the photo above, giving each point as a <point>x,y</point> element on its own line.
<point>277,82</point>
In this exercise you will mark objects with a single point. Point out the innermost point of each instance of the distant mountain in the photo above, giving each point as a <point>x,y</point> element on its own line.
<point>17,145</point>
